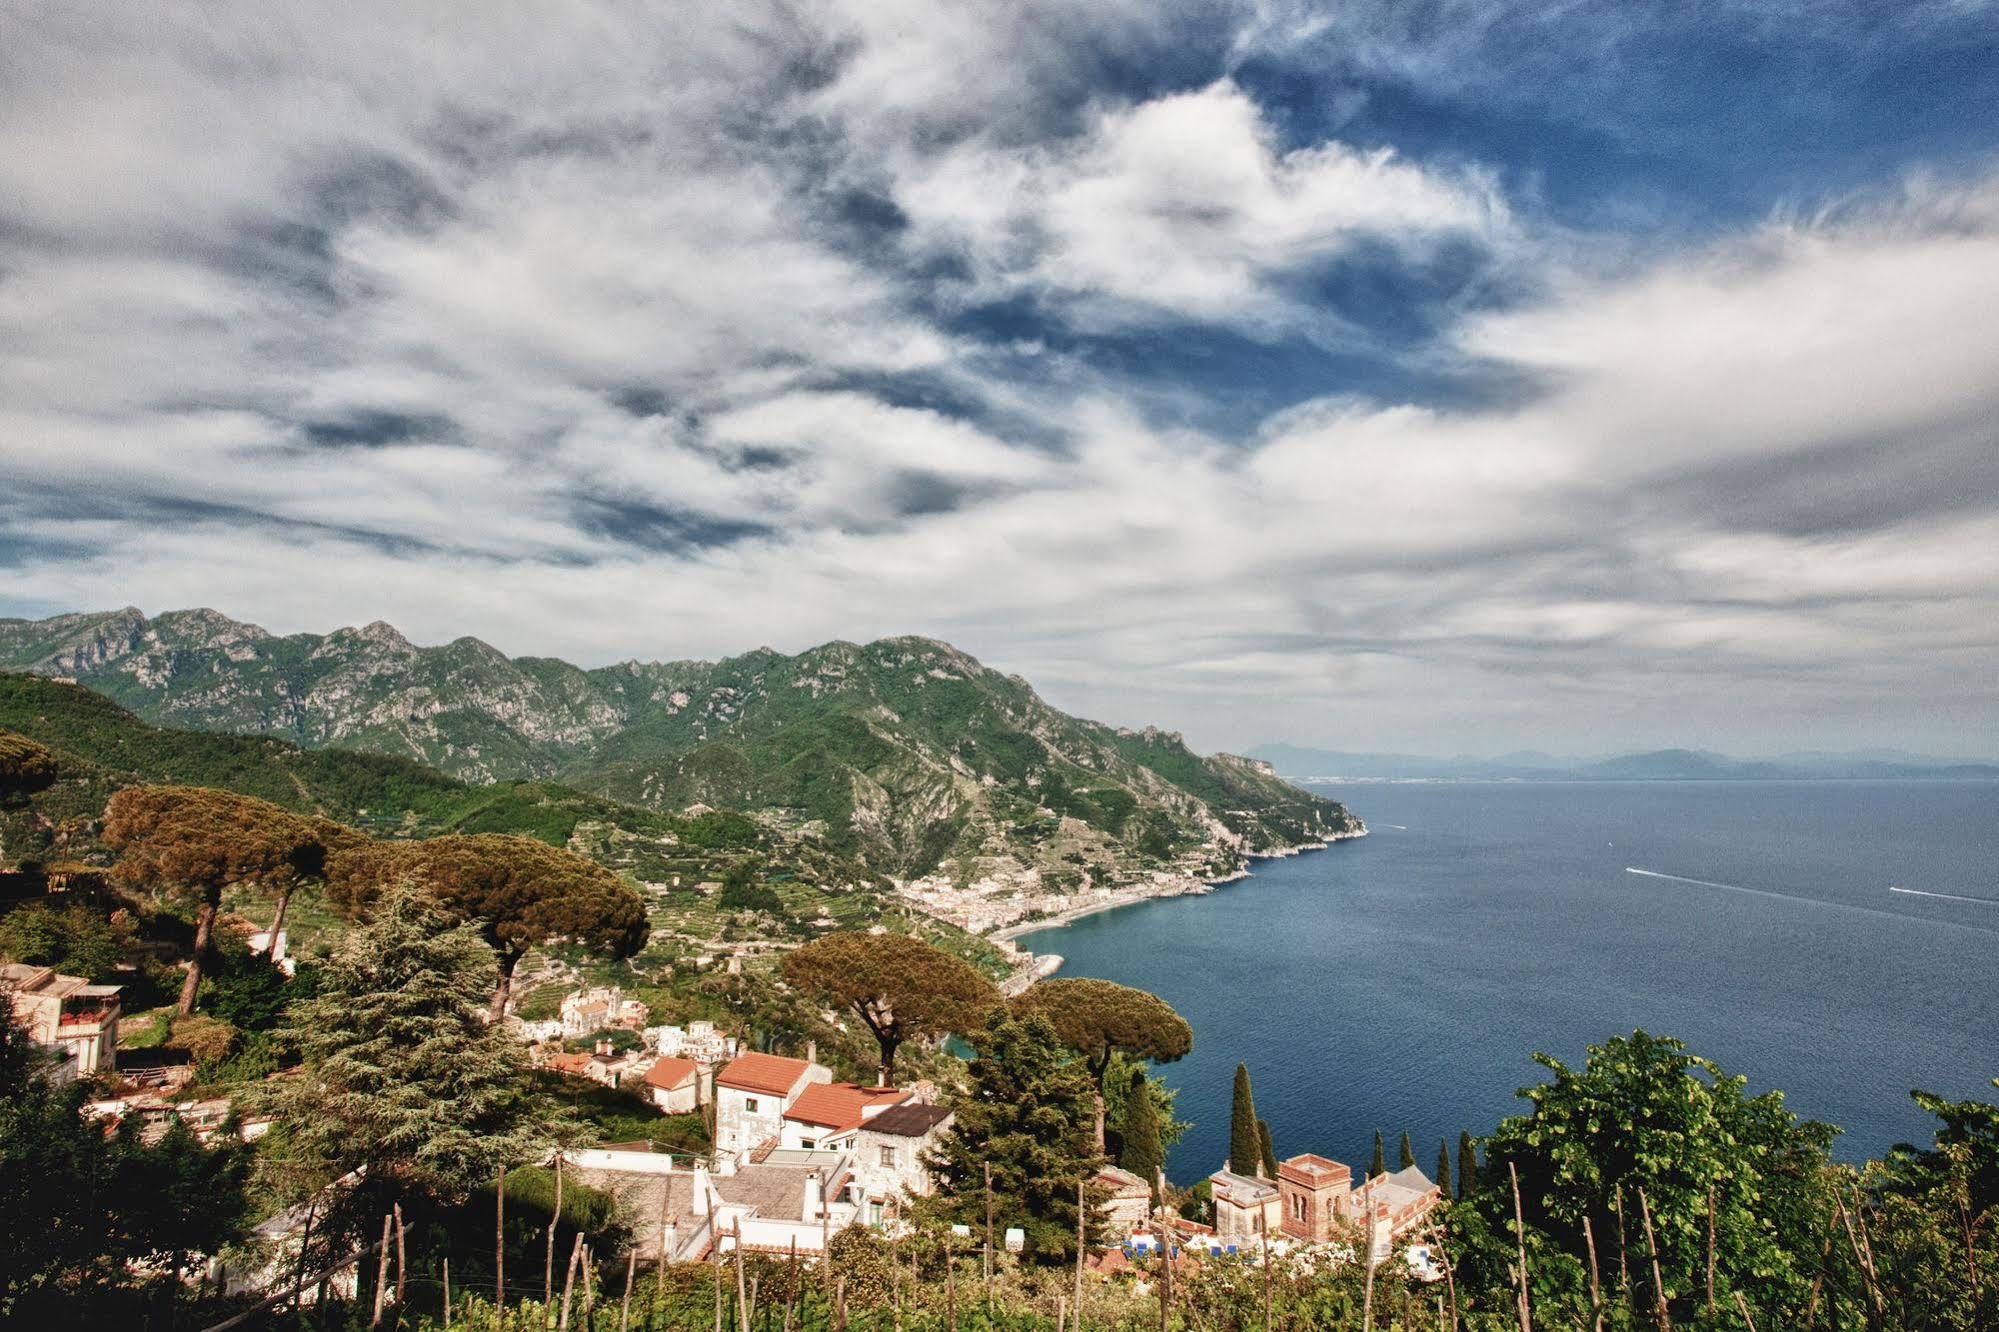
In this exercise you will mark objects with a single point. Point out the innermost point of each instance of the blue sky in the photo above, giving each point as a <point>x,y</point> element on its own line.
<point>1434,376</point>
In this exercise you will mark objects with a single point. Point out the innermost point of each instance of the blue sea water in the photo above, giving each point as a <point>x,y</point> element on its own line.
<point>1402,980</point>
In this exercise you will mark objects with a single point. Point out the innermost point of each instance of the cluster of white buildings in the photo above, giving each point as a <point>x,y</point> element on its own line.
<point>797,1158</point>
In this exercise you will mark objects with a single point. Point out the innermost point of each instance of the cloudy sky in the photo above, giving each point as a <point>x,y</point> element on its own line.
<point>1453,375</point>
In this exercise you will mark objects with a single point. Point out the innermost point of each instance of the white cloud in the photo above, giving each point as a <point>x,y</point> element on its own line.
<point>590,279</point>
<point>1184,208</point>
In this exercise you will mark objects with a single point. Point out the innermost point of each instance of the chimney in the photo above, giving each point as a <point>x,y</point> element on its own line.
<point>701,1188</point>
<point>812,1052</point>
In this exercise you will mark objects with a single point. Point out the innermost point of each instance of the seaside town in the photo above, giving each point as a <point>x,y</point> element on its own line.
<point>797,1157</point>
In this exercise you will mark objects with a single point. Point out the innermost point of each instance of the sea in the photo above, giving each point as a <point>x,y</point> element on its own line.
<point>1403,981</point>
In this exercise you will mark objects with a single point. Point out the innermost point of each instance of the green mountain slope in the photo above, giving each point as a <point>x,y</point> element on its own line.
<point>904,752</point>
<point>795,886</point>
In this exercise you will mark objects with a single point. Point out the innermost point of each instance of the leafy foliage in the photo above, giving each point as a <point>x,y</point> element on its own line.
<point>1644,1114</point>
<point>78,1206</point>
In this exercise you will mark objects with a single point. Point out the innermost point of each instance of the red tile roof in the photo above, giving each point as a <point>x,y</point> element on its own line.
<point>573,1064</point>
<point>841,1105</point>
<point>772,1074</point>
<point>669,1072</point>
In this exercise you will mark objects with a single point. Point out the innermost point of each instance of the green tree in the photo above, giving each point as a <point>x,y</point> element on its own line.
<point>1444,1168</point>
<point>1379,1165</point>
<point>1406,1154</point>
<point>25,767</point>
<point>1935,1218</point>
<point>1245,1142</point>
<point>74,936</point>
<point>1266,1149</point>
<point>79,1207</point>
<point>1467,1164</point>
<point>1645,1114</point>
<point>900,988</point>
<point>1027,1114</point>
<point>1143,1155</point>
<point>402,1073</point>
<point>189,839</point>
<point>1119,1090</point>
<point>520,891</point>
<point>1099,1019</point>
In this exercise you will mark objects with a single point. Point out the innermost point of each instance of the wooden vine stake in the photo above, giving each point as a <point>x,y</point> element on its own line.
<point>1659,1314</point>
<point>1520,1238</point>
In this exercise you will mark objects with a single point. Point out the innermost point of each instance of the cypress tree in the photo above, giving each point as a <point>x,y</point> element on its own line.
<point>1407,1155</point>
<point>1245,1144</point>
<point>1444,1168</point>
<point>1266,1149</point>
<point>1380,1164</point>
<point>1142,1154</point>
<point>1467,1166</point>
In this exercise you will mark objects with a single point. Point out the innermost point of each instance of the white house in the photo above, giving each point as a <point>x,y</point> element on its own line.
<point>751,1095</point>
<point>888,1156</point>
<point>674,1084</point>
<point>68,1015</point>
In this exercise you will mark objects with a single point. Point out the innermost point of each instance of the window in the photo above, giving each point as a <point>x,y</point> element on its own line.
<point>888,1158</point>
<point>749,1105</point>
<point>1297,1207</point>
<point>808,1144</point>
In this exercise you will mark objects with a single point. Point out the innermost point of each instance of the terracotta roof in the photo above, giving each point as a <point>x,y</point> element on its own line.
<point>669,1072</point>
<point>840,1105</point>
<point>574,1064</point>
<point>908,1121</point>
<point>772,1074</point>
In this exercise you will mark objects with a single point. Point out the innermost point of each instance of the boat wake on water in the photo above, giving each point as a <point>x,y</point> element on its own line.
<point>1822,902</point>
<point>1948,897</point>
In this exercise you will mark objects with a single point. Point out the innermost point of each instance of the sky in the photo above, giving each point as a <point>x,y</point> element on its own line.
<point>1432,375</point>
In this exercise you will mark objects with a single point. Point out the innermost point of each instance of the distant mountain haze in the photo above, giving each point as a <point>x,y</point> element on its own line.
<point>905,752</point>
<point>1303,764</point>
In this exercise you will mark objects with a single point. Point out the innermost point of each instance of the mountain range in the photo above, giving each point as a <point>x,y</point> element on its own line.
<point>905,752</point>
<point>1301,764</point>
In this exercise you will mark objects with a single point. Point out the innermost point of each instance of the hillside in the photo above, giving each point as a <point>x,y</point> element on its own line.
<point>679,858</point>
<point>904,752</point>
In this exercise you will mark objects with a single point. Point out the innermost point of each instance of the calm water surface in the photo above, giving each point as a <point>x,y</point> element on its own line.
<point>1402,980</point>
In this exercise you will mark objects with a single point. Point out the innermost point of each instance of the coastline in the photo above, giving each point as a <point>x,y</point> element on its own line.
<point>1038,966</point>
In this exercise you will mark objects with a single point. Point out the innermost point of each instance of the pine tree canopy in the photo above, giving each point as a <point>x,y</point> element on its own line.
<point>178,839</point>
<point>1467,1165</point>
<point>901,989</point>
<point>1098,1018</point>
<point>1406,1154</point>
<point>1379,1166</point>
<point>1444,1168</point>
<point>521,892</point>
